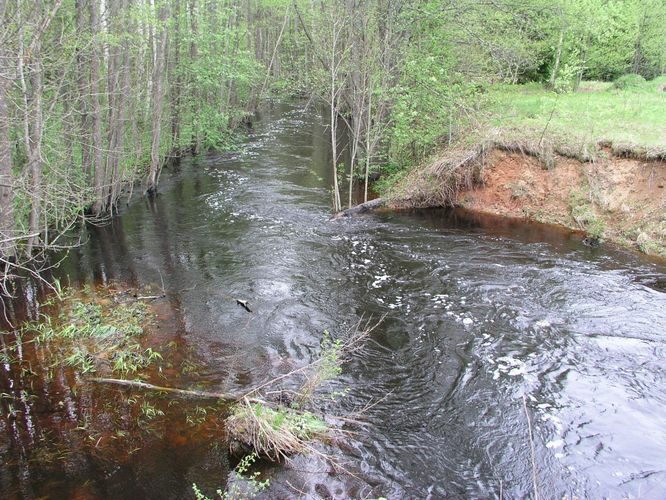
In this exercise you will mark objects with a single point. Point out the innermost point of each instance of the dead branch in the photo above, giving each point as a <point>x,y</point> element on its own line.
<point>171,390</point>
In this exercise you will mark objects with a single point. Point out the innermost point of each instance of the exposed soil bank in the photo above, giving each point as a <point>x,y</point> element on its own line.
<point>613,198</point>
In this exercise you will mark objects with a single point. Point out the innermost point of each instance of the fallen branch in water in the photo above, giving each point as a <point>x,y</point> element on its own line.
<point>362,208</point>
<point>150,297</point>
<point>172,390</point>
<point>278,429</point>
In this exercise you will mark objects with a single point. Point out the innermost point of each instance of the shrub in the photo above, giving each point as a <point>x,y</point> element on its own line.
<point>629,81</point>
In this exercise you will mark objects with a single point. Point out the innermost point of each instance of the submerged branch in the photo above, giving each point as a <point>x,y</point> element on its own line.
<point>172,390</point>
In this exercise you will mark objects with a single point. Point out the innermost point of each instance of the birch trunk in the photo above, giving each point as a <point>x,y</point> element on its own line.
<point>7,246</point>
<point>157,99</point>
<point>97,157</point>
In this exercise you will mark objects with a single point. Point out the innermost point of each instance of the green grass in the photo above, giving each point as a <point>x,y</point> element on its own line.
<point>94,331</point>
<point>596,112</point>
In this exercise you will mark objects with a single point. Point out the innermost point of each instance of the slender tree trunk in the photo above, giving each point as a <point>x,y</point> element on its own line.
<point>120,88</point>
<point>177,84</point>
<point>7,246</point>
<point>334,134</point>
<point>115,97</point>
<point>29,61</point>
<point>368,146</point>
<point>637,58</point>
<point>157,99</point>
<point>35,150</point>
<point>194,56</point>
<point>558,56</point>
<point>83,75</point>
<point>97,149</point>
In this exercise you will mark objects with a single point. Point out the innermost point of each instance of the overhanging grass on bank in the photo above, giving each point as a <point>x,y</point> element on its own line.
<point>532,116</point>
<point>597,112</point>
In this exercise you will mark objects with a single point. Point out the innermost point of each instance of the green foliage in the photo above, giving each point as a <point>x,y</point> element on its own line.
<point>274,432</point>
<point>93,332</point>
<point>630,81</point>
<point>583,212</point>
<point>428,100</point>
<point>245,485</point>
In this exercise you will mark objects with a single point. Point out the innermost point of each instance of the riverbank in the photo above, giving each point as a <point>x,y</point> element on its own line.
<point>614,198</point>
<point>593,161</point>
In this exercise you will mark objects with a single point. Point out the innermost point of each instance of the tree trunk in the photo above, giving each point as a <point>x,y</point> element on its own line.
<point>7,246</point>
<point>177,84</point>
<point>30,63</point>
<point>194,55</point>
<point>83,65</point>
<point>119,88</point>
<point>99,203</point>
<point>558,56</point>
<point>157,99</point>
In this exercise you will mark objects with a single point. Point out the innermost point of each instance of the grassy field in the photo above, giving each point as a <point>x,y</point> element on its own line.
<point>598,111</point>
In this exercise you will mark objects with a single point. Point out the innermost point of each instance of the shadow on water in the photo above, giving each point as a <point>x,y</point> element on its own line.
<point>481,312</point>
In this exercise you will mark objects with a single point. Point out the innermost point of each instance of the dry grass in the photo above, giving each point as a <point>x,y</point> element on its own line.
<point>278,430</point>
<point>460,168</point>
<point>274,431</point>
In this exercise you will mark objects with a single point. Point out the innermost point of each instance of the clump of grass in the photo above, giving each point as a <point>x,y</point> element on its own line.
<point>278,430</point>
<point>629,81</point>
<point>97,332</point>
<point>275,433</point>
<point>649,245</point>
<point>584,215</point>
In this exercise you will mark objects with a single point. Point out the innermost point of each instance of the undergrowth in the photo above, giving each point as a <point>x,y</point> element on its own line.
<point>279,429</point>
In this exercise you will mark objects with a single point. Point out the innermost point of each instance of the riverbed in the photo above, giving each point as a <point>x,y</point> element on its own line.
<point>511,356</point>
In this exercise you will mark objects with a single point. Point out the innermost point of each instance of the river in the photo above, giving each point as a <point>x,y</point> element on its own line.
<point>491,327</point>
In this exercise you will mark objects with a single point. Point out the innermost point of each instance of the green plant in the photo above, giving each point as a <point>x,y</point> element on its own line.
<point>245,485</point>
<point>81,360</point>
<point>92,331</point>
<point>584,214</point>
<point>629,81</point>
<point>275,433</point>
<point>149,411</point>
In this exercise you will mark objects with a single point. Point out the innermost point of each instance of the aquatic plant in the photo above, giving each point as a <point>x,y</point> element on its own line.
<point>96,331</point>
<point>274,433</point>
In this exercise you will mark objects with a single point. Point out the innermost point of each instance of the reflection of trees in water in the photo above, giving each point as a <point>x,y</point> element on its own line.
<point>62,437</point>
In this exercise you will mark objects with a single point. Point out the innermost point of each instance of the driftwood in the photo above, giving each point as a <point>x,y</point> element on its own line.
<point>172,390</point>
<point>362,208</point>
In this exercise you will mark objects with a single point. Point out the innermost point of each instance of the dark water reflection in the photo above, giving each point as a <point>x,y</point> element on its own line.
<point>482,314</point>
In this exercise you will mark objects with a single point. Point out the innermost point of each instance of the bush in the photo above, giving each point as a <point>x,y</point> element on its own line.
<point>629,81</point>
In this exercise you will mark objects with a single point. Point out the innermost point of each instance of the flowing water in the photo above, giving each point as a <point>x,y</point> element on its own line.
<point>491,327</point>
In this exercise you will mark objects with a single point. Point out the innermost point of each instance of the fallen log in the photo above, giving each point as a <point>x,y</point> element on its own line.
<point>362,208</point>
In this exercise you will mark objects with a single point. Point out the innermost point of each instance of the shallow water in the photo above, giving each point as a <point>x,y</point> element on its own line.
<point>488,323</point>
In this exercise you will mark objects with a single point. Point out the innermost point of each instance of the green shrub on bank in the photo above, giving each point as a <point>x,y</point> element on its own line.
<point>629,81</point>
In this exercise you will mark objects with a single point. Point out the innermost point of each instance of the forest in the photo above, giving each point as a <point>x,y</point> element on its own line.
<point>97,96</point>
